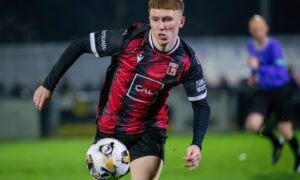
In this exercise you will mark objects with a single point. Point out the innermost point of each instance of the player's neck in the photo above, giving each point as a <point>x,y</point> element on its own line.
<point>165,48</point>
<point>261,42</point>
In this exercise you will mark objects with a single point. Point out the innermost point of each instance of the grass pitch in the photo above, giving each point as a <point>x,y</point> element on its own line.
<point>225,156</point>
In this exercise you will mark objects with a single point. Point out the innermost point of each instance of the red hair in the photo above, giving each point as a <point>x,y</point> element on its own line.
<point>166,4</point>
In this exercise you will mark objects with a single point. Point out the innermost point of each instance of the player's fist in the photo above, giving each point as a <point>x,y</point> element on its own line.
<point>252,81</point>
<point>253,63</point>
<point>40,97</point>
<point>193,157</point>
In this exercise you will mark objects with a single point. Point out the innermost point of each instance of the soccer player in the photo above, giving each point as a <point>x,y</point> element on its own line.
<point>147,61</point>
<point>274,91</point>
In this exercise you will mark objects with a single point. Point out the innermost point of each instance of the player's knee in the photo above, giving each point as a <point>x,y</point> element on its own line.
<point>254,122</point>
<point>252,125</point>
<point>287,135</point>
<point>286,129</point>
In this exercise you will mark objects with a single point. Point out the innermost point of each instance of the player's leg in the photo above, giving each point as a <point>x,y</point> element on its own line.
<point>145,168</point>
<point>254,122</point>
<point>286,129</point>
<point>259,110</point>
<point>147,156</point>
<point>161,165</point>
<point>285,126</point>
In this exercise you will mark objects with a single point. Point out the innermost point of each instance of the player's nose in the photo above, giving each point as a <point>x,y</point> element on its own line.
<point>161,25</point>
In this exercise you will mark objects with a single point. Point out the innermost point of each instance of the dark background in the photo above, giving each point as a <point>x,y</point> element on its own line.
<point>54,20</point>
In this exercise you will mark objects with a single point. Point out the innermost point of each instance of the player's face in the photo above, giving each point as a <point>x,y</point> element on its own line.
<point>258,29</point>
<point>165,25</point>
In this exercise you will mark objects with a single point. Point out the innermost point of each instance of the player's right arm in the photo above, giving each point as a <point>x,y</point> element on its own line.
<point>253,63</point>
<point>103,43</point>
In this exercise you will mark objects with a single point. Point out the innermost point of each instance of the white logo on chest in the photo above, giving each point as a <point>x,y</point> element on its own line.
<point>141,89</point>
<point>144,89</point>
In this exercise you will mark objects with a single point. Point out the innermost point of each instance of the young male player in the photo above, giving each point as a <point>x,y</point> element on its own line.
<point>147,61</point>
<point>274,92</point>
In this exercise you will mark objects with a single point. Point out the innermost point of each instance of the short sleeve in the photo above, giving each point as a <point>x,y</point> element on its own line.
<point>106,42</point>
<point>278,54</point>
<point>277,50</point>
<point>194,83</point>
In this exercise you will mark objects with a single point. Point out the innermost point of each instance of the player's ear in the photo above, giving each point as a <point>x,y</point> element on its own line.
<point>182,21</point>
<point>267,29</point>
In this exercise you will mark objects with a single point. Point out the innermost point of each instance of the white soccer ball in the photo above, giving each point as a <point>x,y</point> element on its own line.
<point>108,159</point>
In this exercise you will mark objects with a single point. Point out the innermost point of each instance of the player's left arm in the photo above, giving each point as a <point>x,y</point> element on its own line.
<point>196,91</point>
<point>253,63</point>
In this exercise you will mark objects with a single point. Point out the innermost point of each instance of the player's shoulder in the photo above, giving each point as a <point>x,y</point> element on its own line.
<point>192,62</point>
<point>134,36</point>
<point>274,41</point>
<point>134,30</point>
<point>192,58</point>
<point>250,42</point>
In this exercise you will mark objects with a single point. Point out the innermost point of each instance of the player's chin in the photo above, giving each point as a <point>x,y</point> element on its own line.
<point>163,43</point>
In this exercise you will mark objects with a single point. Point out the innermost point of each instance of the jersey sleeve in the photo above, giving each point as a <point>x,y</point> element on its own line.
<point>106,42</point>
<point>278,54</point>
<point>193,82</point>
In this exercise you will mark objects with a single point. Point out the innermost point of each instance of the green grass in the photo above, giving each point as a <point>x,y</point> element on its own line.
<point>63,159</point>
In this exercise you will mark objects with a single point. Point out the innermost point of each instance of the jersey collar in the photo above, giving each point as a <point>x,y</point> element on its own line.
<point>168,52</point>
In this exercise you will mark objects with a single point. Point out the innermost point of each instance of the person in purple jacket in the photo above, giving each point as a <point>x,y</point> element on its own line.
<point>274,93</point>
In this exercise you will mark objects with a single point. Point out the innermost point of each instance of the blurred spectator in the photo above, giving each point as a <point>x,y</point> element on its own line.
<point>65,87</point>
<point>1,88</point>
<point>295,79</point>
<point>45,119</point>
<point>67,96</point>
<point>16,89</point>
<point>224,86</point>
<point>88,87</point>
<point>19,90</point>
<point>243,102</point>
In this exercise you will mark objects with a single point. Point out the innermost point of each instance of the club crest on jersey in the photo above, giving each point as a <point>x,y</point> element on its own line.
<point>172,69</point>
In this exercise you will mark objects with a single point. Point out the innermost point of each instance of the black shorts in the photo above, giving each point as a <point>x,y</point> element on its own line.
<point>278,101</point>
<point>150,143</point>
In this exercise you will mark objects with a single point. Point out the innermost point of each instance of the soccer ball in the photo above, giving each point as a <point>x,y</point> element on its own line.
<point>108,159</point>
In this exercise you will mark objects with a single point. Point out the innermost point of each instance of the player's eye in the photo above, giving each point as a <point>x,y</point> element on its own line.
<point>168,19</point>
<point>155,19</point>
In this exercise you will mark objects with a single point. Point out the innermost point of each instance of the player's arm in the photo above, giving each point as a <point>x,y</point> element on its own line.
<point>253,63</point>
<point>103,43</point>
<point>196,91</point>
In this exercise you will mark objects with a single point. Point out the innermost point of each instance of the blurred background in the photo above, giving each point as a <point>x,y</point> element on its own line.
<point>34,33</point>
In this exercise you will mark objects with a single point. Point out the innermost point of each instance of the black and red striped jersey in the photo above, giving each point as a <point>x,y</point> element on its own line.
<point>139,78</point>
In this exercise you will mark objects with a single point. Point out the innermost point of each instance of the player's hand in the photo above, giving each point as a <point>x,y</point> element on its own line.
<point>193,157</point>
<point>252,81</point>
<point>253,63</point>
<point>40,97</point>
